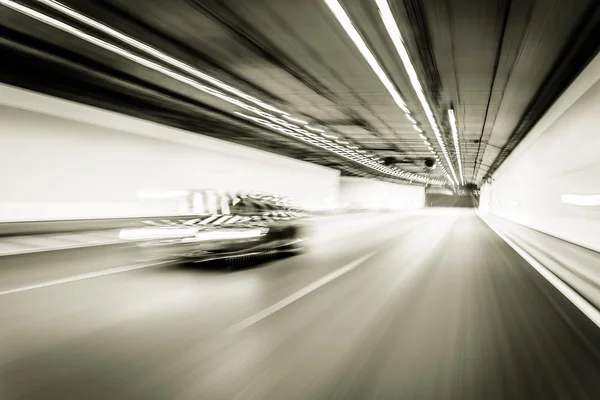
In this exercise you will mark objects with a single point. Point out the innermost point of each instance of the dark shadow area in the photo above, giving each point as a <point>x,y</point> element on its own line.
<point>227,266</point>
<point>442,200</point>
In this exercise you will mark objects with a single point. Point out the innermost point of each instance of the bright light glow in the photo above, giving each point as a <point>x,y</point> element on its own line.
<point>299,121</point>
<point>226,234</point>
<point>153,52</point>
<point>161,195</point>
<point>330,136</point>
<point>454,128</point>
<point>339,13</point>
<point>353,147</point>
<point>411,119</point>
<point>155,233</point>
<point>342,142</point>
<point>314,129</point>
<point>418,129</point>
<point>584,200</point>
<point>394,33</point>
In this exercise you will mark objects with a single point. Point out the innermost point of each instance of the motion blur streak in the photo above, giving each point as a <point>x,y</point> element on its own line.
<point>444,309</point>
<point>154,52</point>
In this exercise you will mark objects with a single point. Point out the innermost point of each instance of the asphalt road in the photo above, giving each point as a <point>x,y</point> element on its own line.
<point>430,306</point>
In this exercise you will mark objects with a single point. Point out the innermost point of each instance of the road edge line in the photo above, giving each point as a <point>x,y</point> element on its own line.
<point>587,308</point>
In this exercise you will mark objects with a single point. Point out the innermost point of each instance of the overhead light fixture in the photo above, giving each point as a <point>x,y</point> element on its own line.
<point>61,8</point>
<point>394,33</point>
<point>418,129</point>
<point>353,147</point>
<point>329,136</point>
<point>340,14</point>
<point>314,129</point>
<point>299,121</point>
<point>454,127</point>
<point>410,118</point>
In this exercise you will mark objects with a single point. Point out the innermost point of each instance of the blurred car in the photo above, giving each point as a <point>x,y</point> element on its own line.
<point>239,225</point>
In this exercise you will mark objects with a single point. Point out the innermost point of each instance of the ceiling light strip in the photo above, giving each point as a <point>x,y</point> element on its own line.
<point>155,53</point>
<point>454,127</point>
<point>340,14</point>
<point>394,32</point>
<point>338,149</point>
<point>344,20</point>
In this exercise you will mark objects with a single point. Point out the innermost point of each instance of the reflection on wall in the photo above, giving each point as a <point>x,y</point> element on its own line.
<point>62,160</point>
<point>550,182</point>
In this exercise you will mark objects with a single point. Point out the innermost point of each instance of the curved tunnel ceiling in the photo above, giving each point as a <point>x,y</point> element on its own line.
<point>497,64</point>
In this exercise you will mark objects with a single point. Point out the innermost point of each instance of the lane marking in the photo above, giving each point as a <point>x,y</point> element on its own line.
<point>578,301</point>
<point>298,295</point>
<point>81,277</point>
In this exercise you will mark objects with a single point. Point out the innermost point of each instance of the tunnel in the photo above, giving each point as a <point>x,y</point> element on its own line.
<point>303,199</point>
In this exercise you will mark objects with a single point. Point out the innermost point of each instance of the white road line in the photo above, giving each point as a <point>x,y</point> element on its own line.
<point>298,295</point>
<point>581,303</point>
<point>81,277</point>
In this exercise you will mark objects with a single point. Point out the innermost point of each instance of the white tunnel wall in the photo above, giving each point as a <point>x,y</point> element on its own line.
<point>370,194</point>
<point>63,160</point>
<point>560,156</point>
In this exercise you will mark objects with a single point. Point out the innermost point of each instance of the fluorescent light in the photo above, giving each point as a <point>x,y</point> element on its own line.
<point>585,200</point>
<point>314,129</point>
<point>344,20</point>
<point>342,142</point>
<point>353,147</point>
<point>299,121</point>
<point>394,33</point>
<point>150,51</point>
<point>454,128</point>
<point>418,129</point>
<point>410,118</point>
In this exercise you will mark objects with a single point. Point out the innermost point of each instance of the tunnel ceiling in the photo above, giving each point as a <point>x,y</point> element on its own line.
<point>498,64</point>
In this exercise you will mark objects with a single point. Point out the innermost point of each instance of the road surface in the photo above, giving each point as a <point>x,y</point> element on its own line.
<point>427,306</point>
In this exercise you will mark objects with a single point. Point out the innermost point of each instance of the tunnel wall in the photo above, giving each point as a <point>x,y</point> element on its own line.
<point>560,156</point>
<point>63,160</point>
<point>370,194</point>
<point>442,200</point>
